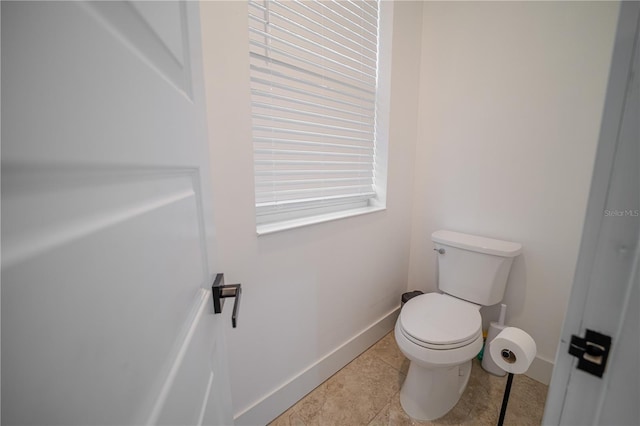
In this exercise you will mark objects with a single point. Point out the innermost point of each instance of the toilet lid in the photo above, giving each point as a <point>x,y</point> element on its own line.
<point>436,319</point>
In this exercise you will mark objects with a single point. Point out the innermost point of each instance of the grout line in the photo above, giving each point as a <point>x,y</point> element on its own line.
<point>382,359</point>
<point>392,366</point>
<point>295,408</point>
<point>492,403</point>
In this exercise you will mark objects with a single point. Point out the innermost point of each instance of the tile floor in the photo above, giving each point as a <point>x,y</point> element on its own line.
<point>367,392</point>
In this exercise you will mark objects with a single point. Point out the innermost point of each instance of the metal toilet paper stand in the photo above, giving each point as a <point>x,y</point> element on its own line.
<point>518,342</point>
<point>507,390</point>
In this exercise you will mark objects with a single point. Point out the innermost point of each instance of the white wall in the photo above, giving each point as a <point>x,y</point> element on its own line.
<point>309,290</point>
<point>498,140</point>
<point>511,98</point>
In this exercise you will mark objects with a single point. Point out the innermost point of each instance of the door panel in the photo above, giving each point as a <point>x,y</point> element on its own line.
<point>604,296</point>
<point>157,31</point>
<point>187,394</point>
<point>106,218</point>
<point>107,257</point>
<point>82,92</point>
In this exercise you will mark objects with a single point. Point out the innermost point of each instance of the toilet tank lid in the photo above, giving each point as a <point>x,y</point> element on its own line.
<point>477,243</point>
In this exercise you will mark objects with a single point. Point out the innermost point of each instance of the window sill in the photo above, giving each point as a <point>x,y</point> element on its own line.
<point>270,228</point>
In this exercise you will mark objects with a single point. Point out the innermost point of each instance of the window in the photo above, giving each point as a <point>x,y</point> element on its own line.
<point>314,95</point>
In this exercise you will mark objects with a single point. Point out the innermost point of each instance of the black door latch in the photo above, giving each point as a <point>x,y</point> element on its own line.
<point>592,351</point>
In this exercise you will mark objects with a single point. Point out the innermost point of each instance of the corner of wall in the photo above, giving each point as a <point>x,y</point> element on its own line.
<point>406,83</point>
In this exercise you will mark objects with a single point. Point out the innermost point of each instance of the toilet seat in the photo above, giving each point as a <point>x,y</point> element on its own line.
<point>440,322</point>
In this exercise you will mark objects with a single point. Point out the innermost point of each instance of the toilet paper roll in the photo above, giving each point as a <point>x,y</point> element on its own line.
<point>488,364</point>
<point>513,350</point>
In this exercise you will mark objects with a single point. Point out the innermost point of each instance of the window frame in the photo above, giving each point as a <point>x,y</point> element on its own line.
<point>280,221</point>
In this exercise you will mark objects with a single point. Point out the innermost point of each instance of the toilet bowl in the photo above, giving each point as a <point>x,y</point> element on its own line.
<point>441,333</point>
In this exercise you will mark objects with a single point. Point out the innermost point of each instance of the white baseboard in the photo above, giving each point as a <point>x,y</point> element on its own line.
<point>278,401</point>
<point>540,370</point>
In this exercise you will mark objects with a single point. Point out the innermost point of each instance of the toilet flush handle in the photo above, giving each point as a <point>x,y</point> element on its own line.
<point>440,250</point>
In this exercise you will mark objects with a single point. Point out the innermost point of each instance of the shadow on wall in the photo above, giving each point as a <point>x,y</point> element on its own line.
<point>514,296</point>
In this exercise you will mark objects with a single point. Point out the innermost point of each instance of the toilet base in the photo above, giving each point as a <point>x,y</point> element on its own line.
<point>430,393</point>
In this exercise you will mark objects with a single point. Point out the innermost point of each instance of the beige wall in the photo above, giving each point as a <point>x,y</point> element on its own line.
<point>511,97</point>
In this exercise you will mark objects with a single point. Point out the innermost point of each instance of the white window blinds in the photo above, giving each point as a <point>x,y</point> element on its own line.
<point>313,68</point>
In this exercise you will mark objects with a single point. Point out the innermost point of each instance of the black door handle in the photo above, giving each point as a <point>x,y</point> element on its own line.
<point>221,291</point>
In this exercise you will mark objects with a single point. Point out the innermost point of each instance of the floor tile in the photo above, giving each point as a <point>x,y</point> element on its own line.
<point>367,392</point>
<point>387,350</point>
<point>362,389</point>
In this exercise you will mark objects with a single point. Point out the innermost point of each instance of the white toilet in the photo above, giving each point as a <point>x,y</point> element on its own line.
<point>441,333</point>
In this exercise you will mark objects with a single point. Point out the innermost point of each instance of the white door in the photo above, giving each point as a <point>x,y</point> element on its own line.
<point>605,297</point>
<point>107,249</point>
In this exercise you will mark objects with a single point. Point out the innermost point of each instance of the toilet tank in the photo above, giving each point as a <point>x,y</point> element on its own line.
<point>473,268</point>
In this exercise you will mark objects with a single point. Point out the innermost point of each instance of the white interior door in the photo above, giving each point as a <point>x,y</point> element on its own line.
<point>107,244</point>
<point>605,295</point>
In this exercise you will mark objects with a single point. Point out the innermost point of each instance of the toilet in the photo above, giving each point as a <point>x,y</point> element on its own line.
<point>440,333</point>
